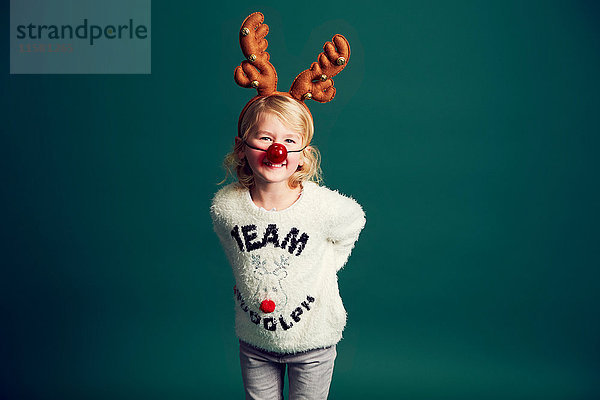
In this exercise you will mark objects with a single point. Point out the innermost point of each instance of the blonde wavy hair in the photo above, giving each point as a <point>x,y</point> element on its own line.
<point>293,115</point>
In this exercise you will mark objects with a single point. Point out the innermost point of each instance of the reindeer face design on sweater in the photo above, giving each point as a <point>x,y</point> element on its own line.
<point>269,292</point>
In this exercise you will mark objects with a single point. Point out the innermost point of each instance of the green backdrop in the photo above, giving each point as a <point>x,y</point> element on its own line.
<point>468,130</point>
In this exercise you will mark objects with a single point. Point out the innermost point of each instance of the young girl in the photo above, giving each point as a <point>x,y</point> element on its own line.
<point>285,238</point>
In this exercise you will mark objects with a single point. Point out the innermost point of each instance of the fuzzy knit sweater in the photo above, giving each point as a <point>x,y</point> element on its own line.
<point>285,265</point>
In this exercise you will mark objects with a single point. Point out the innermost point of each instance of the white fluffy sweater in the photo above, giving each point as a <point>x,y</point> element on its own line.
<point>285,264</point>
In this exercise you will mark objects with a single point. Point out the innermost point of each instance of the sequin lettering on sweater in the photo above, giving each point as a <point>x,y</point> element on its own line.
<point>247,239</point>
<point>271,323</point>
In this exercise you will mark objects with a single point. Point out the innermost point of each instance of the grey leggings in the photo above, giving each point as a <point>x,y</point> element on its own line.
<point>309,373</point>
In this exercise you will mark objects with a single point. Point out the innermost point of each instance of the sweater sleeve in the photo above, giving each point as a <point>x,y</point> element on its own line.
<point>218,215</point>
<point>217,221</point>
<point>348,221</point>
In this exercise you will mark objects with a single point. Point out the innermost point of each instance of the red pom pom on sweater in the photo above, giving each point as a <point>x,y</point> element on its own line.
<point>267,306</point>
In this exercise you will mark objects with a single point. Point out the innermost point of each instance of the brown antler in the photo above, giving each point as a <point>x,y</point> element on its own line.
<point>316,83</point>
<point>257,72</point>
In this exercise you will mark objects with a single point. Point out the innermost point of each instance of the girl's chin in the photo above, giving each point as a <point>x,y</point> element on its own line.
<point>274,175</point>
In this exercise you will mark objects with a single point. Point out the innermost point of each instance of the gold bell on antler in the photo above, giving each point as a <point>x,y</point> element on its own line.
<point>307,96</point>
<point>323,78</point>
<point>252,57</point>
<point>245,32</point>
<point>341,61</point>
<point>254,84</point>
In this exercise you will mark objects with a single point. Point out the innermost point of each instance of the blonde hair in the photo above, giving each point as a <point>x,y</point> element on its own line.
<point>293,115</point>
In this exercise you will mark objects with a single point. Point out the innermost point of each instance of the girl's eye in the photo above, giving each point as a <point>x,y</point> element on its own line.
<point>265,138</point>
<point>290,140</point>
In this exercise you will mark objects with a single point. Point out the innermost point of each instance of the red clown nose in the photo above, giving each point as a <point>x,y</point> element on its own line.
<point>277,153</point>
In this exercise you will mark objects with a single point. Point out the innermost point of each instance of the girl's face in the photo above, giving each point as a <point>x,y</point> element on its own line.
<point>271,130</point>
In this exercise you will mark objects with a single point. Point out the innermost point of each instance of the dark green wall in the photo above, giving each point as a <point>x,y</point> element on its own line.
<point>468,130</point>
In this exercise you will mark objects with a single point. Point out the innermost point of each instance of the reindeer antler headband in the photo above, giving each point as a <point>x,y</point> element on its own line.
<point>258,73</point>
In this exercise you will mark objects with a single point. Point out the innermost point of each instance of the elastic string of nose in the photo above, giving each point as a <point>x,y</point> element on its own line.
<point>276,153</point>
